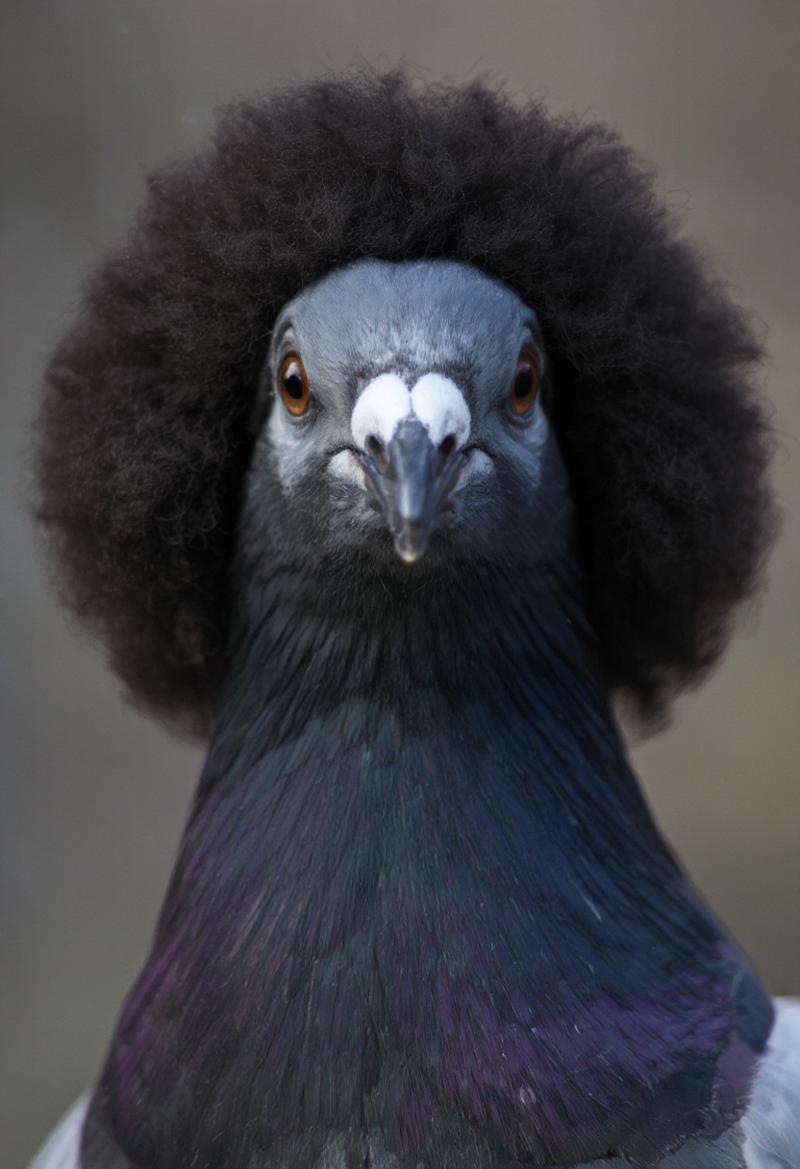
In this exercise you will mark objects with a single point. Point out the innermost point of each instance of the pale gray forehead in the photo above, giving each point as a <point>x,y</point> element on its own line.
<point>409,317</point>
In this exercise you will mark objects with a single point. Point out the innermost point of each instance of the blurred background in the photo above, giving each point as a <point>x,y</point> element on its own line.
<point>98,91</point>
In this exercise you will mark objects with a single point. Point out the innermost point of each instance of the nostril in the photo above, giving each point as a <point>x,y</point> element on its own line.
<point>378,452</point>
<point>445,450</point>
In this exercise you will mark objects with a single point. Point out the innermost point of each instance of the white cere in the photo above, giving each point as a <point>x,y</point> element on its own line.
<point>441,408</point>
<point>380,406</point>
<point>435,400</point>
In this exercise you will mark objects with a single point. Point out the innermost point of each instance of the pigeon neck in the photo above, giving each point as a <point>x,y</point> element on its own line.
<point>418,650</point>
<point>420,895</point>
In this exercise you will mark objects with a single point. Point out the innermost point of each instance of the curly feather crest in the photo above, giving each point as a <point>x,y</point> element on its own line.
<point>145,431</point>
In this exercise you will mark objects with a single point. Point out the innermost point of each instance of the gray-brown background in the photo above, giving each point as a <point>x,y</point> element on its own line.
<point>96,92</point>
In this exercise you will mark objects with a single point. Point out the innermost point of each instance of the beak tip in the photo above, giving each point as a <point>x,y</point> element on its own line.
<point>410,552</point>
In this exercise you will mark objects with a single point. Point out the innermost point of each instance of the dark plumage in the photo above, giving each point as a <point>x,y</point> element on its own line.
<point>148,421</point>
<point>401,436</point>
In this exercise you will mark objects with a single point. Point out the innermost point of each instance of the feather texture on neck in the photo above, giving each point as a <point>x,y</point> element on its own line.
<point>420,895</point>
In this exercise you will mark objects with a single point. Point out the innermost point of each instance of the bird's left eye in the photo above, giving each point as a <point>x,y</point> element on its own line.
<point>525,384</point>
<point>293,385</point>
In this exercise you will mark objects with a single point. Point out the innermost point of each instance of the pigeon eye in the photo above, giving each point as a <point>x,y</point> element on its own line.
<point>293,385</point>
<point>524,385</point>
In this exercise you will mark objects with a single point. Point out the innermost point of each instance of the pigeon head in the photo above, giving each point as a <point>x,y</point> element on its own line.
<point>365,327</point>
<point>406,421</point>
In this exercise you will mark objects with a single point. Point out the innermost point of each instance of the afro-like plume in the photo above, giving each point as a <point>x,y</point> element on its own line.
<point>143,436</point>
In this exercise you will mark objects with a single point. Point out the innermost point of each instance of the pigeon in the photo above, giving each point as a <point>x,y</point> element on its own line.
<point>403,440</point>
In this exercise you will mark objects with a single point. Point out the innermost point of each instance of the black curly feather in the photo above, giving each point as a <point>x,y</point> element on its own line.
<point>144,432</point>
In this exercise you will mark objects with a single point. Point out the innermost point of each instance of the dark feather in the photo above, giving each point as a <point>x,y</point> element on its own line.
<point>421,903</point>
<point>146,428</point>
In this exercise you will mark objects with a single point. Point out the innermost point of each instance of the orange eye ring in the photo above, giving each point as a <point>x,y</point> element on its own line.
<point>293,385</point>
<point>524,384</point>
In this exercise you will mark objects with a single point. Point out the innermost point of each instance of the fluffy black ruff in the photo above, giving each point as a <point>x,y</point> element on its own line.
<point>147,423</point>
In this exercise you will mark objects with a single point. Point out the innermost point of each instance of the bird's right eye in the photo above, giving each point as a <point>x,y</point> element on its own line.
<point>293,385</point>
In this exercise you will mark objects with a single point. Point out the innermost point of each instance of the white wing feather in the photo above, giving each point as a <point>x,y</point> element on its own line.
<point>771,1124</point>
<point>62,1149</point>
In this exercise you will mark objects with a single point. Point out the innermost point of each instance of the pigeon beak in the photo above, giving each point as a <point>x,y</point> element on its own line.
<point>411,479</point>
